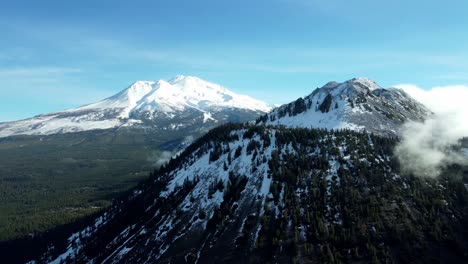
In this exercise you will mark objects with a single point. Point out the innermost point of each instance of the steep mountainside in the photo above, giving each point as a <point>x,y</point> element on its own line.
<point>356,104</point>
<point>184,102</point>
<point>263,194</point>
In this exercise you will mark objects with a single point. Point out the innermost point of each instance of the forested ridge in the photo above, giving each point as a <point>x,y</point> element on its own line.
<point>333,197</point>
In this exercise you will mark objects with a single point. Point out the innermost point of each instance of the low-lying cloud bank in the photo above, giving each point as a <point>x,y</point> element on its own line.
<point>427,147</point>
<point>160,158</point>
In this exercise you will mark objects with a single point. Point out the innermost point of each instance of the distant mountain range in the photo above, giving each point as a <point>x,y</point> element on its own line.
<point>184,102</point>
<point>190,103</point>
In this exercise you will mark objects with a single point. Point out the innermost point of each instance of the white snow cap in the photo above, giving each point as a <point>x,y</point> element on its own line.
<point>366,82</point>
<point>187,91</point>
<point>177,94</point>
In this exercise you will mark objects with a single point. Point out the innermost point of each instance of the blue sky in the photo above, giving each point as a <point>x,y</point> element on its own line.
<point>61,54</point>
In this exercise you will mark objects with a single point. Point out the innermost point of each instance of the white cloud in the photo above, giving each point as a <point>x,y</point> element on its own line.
<point>440,99</point>
<point>426,147</point>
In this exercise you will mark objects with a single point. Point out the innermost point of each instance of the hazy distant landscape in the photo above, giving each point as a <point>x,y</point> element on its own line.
<point>52,180</point>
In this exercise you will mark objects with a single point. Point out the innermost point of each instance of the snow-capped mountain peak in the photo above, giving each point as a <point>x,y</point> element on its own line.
<point>351,87</point>
<point>364,81</point>
<point>358,104</point>
<point>192,84</point>
<point>180,78</point>
<point>176,94</point>
<point>184,92</point>
<point>156,102</point>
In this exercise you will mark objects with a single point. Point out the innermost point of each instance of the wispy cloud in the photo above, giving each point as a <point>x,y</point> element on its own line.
<point>287,60</point>
<point>94,47</point>
<point>26,72</point>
